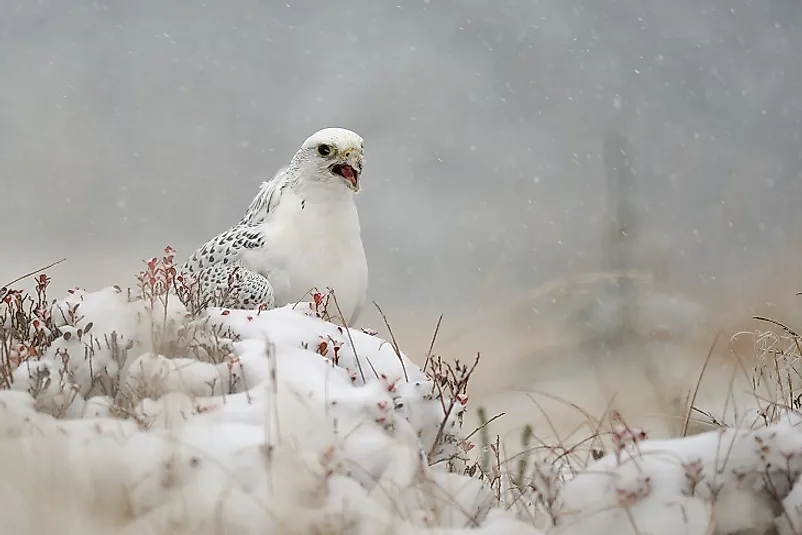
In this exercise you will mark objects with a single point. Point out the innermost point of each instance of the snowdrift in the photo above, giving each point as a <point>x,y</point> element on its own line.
<point>128,412</point>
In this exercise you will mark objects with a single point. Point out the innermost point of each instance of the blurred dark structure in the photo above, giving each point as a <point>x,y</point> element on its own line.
<point>619,241</point>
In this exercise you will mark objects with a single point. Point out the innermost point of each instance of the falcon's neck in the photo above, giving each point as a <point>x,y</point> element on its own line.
<point>323,193</point>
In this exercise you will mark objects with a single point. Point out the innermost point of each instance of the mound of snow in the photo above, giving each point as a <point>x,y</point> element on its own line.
<point>726,481</point>
<point>138,417</point>
<point>251,420</point>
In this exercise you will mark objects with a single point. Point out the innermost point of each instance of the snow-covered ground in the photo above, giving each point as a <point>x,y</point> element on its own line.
<point>125,413</point>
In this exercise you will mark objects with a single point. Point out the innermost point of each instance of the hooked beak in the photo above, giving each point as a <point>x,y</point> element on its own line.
<point>349,169</point>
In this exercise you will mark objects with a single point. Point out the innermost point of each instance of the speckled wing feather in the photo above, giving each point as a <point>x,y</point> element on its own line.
<point>266,200</point>
<point>222,279</point>
<point>225,248</point>
<point>233,286</point>
<point>217,267</point>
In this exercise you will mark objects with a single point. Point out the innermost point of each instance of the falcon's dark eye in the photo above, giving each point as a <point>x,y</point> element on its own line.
<point>324,150</point>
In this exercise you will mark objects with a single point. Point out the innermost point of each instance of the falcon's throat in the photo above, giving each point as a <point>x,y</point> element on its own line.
<point>350,175</point>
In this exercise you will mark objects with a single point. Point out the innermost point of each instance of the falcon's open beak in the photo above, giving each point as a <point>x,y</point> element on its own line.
<point>349,168</point>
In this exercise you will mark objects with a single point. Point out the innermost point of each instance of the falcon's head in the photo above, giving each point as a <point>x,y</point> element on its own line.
<point>333,154</point>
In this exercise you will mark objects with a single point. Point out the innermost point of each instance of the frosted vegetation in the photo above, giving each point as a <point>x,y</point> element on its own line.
<point>141,411</point>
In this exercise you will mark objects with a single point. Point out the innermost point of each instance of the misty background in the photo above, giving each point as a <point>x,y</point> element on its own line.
<point>488,126</point>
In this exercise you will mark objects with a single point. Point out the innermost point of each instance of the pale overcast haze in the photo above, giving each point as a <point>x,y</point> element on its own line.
<point>126,126</point>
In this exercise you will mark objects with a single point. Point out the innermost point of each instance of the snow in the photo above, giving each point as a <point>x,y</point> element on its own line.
<point>732,477</point>
<point>140,417</point>
<point>255,419</point>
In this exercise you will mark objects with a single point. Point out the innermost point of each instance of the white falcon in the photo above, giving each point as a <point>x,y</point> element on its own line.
<point>300,232</point>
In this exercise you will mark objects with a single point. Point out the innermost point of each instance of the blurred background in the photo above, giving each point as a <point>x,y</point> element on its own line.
<point>571,183</point>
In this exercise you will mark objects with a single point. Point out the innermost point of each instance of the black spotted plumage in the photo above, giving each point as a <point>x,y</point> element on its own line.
<point>221,278</point>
